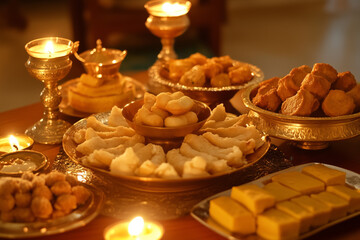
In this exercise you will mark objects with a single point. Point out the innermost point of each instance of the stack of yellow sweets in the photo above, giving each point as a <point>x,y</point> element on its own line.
<point>291,204</point>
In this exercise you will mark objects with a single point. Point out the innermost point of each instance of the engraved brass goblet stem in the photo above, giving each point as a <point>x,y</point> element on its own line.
<point>49,67</point>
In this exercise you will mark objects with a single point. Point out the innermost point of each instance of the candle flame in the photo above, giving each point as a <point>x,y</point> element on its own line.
<point>136,226</point>
<point>173,7</point>
<point>49,47</point>
<point>14,143</point>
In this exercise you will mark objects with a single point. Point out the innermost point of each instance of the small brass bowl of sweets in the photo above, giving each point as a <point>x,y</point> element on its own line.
<point>171,117</point>
<point>311,106</point>
<point>210,80</point>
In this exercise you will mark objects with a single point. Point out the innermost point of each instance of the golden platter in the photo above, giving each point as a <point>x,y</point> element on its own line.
<point>311,133</point>
<point>76,219</point>
<point>209,95</point>
<point>154,184</point>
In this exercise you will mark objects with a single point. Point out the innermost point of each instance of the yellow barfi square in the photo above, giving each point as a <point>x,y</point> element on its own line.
<point>232,215</point>
<point>253,197</point>
<point>339,206</point>
<point>281,192</point>
<point>327,175</point>
<point>299,182</point>
<point>275,224</point>
<point>298,212</point>
<point>351,195</point>
<point>320,211</point>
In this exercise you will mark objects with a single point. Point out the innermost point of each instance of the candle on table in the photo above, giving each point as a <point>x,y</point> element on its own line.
<point>168,8</point>
<point>15,142</point>
<point>48,48</point>
<point>136,229</point>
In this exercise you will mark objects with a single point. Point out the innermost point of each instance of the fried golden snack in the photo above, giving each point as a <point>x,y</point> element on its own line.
<point>298,74</point>
<point>177,67</point>
<point>81,194</point>
<point>42,191</point>
<point>325,70</point>
<point>355,94</point>
<point>7,202</point>
<point>345,81</point>
<point>338,103</point>
<point>41,207</point>
<point>317,85</point>
<point>266,96</point>
<point>212,68</point>
<point>61,187</point>
<point>65,203</point>
<point>225,61</point>
<point>220,80</point>
<point>303,103</point>
<point>287,87</point>
<point>53,177</point>
<point>198,58</point>
<point>195,77</point>
<point>241,74</point>
<point>22,199</point>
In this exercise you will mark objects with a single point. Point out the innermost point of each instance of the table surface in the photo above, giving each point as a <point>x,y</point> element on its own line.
<point>345,154</point>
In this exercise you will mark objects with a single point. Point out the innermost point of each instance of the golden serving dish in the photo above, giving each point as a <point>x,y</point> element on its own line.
<point>16,163</point>
<point>149,184</point>
<point>209,95</point>
<point>167,137</point>
<point>312,133</point>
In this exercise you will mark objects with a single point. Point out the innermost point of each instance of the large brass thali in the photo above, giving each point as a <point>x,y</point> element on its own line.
<point>307,132</point>
<point>154,184</point>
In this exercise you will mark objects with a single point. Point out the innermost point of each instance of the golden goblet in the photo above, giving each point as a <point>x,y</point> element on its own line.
<point>167,20</point>
<point>49,62</point>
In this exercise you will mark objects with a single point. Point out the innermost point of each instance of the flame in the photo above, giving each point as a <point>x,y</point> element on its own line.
<point>173,7</point>
<point>136,226</point>
<point>49,47</point>
<point>14,143</point>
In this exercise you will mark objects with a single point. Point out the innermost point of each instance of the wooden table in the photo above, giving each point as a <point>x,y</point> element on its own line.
<point>344,154</point>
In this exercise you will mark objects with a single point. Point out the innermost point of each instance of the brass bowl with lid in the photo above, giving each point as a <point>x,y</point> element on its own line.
<point>311,133</point>
<point>101,62</point>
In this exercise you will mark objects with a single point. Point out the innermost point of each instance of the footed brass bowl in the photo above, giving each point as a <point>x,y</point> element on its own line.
<point>165,136</point>
<point>310,133</point>
<point>209,95</point>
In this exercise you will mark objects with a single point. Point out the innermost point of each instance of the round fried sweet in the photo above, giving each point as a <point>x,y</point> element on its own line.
<point>23,199</point>
<point>41,207</point>
<point>286,87</point>
<point>65,203</point>
<point>345,81</point>
<point>8,185</point>
<point>81,194</point>
<point>326,71</point>
<point>316,84</point>
<point>298,74</point>
<point>303,103</point>
<point>42,191</point>
<point>195,77</point>
<point>338,103</point>
<point>220,80</point>
<point>240,75</point>
<point>53,177</point>
<point>7,202</point>
<point>355,94</point>
<point>61,187</point>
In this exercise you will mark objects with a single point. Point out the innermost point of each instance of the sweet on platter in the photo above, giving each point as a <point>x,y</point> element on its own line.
<point>91,94</point>
<point>43,197</point>
<point>310,92</point>
<point>221,145</point>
